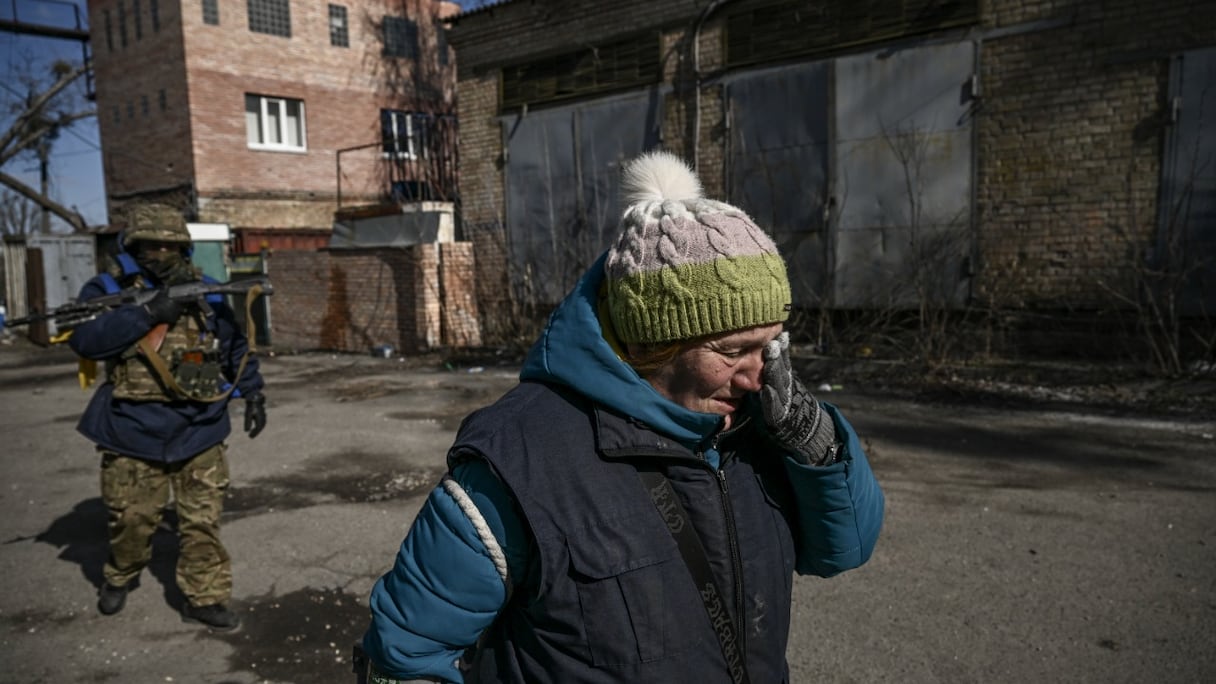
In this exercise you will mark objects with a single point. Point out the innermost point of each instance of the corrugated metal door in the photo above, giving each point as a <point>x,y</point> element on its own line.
<point>902,176</point>
<point>862,169</point>
<point>562,186</point>
<point>68,262</point>
<point>1186,236</point>
<point>778,166</point>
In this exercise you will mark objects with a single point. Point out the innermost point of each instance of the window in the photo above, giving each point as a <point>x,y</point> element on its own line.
<point>274,123</point>
<point>154,14</point>
<point>441,42</point>
<point>270,16</point>
<point>211,12</point>
<point>117,114</point>
<point>403,134</point>
<point>130,110</point>
<point>400,37</point>
<point>122,24</point>
<point>143,105</point>
<point>338,34</point>
<point>162,100</point>
<point>109,31</point>
<point>139,20</point>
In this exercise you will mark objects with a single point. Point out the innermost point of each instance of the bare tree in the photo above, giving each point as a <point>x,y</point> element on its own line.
<point>36,120</point>
<point>17,214</point>
<point>1152,283</point>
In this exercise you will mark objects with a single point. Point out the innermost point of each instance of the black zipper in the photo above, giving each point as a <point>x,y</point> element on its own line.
<point>735,562</point>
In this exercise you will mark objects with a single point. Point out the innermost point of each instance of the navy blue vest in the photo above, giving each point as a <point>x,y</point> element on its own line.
<point>612,599</point>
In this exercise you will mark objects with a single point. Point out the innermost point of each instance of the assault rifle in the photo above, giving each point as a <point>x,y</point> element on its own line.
<point>73,314</point>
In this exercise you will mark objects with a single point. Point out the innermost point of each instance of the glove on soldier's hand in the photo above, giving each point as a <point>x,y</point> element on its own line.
<point>162,309</point>
<point>792,414</point>
<point>255,414</point>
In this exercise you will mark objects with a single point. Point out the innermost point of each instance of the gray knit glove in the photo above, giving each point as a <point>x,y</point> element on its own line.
<point>792,414</point>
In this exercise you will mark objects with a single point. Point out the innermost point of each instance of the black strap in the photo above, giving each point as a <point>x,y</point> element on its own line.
<point>693,551</point>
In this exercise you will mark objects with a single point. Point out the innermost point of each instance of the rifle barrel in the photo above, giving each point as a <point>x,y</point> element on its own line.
<point>89,308</point>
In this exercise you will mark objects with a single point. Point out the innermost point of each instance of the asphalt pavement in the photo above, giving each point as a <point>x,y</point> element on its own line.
<point>1020,545</point>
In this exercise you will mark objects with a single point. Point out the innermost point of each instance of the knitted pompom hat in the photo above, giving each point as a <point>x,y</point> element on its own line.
<point>684,266</point>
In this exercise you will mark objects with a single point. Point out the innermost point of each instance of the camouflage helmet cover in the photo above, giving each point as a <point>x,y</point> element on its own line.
<point>155,223</point>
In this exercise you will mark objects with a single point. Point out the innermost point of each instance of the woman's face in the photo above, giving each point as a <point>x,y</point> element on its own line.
<point>713,375</point>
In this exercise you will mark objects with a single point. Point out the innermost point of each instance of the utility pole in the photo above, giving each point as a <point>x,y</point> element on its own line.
<point>44,154</point>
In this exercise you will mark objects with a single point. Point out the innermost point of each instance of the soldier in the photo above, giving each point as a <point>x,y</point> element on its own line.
<point>161,417</point>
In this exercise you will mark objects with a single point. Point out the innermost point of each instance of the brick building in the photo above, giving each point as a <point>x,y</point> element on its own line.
<point>282,119</point>
<point>266,114</point>
<point>1029,155</point>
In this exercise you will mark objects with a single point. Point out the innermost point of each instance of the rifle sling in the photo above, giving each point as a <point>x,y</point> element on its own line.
<point>693,552</point>
<point>150,347</point>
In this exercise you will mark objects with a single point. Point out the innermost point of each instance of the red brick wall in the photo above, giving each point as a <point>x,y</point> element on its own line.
<point>148,147</point>
<point>354,300</point>
<point>206,70</point>
<point>461,327</point>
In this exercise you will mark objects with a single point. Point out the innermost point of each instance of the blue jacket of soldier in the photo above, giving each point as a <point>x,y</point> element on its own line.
<point>543,556</point>
<point>158,431</point>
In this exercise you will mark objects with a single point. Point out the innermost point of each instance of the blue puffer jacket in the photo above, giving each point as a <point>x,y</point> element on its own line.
<point>162,432</point>
<point>543,513</point>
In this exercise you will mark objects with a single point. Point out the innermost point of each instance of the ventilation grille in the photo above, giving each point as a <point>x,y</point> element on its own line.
<point>777,30</point>
<point>615,66</point>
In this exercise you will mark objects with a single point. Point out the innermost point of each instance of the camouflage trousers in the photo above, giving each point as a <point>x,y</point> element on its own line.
<point>136,492</point>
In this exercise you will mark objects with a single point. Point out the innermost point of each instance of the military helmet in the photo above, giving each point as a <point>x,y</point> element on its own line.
<point>155,223</point>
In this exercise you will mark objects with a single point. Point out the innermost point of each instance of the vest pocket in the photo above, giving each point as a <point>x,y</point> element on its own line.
<point>633,592</point>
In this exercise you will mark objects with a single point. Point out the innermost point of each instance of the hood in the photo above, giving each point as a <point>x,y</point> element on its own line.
<point>573,351</point>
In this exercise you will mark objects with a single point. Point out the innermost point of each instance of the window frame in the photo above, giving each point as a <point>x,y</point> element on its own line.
<point>406,30</point>
<point>122,23</point>
<point>264,101</point>
<point>266,18</point>
<point>341,34</point>
<point>211,12</point>
<point>392,148</point>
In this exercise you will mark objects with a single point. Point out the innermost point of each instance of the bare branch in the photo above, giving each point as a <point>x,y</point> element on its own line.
<point>73,217</point>
<point>35,106</point>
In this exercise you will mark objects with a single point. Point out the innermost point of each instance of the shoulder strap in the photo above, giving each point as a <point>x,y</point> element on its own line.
<point>214,297</point>
<point>109,283</point>
<point>158,364</point>
<point>693,552</point>
<point>127,263</point>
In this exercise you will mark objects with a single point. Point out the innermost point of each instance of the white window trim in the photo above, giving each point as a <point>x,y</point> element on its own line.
<point>263,115</point>
<point>410,153</point>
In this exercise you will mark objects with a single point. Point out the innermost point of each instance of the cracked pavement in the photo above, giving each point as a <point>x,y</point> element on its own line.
<point>1057,543</point>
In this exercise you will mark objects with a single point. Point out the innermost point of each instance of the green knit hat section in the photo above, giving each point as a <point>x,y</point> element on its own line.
<point>698,299</point>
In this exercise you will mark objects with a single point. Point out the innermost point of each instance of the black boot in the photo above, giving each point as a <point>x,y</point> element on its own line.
<point>111,599</point>
<point>216,616</point>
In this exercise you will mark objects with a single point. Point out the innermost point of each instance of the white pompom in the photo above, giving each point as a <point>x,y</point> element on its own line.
<point>657,176</point>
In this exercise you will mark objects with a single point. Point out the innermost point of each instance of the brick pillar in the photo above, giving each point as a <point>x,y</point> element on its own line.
<point>461,323</point>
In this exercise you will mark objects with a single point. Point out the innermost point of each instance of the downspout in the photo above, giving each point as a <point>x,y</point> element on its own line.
<point>696,80</point>
<point>975,106</point>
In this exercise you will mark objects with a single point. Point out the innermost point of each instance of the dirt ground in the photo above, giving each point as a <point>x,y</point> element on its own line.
<point>1044,522</point>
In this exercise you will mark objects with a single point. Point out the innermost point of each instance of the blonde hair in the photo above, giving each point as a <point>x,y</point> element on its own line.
<point>648,358</point>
